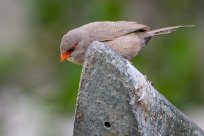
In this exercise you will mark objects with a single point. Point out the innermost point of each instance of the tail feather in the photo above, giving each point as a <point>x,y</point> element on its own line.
<point>167,30</point>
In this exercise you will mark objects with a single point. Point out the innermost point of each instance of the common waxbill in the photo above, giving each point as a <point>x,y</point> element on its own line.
<point>124,37</point>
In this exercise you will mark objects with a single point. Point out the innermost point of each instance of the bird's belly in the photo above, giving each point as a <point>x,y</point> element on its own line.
<point>127,45</point>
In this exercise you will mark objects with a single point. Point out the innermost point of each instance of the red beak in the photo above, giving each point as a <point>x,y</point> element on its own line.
<point>64,56</point>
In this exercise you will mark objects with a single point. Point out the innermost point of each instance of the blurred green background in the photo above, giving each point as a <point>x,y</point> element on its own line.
<point>32,75</point>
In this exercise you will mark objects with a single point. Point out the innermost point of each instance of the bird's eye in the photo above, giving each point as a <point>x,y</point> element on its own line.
<point>71,50</point>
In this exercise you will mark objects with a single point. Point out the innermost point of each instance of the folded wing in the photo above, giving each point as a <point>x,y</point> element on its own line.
<point>107,30</point>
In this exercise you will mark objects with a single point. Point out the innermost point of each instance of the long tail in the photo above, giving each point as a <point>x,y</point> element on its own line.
<point>167,30</point>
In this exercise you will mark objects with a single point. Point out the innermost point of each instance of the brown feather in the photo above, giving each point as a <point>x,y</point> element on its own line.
<point>125,38</point>
<point>107,30</point>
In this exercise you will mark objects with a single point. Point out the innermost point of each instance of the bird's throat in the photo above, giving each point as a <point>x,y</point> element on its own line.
<point>73,60</point>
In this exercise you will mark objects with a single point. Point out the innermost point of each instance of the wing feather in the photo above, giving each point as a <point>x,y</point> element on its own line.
<point>107,30</point>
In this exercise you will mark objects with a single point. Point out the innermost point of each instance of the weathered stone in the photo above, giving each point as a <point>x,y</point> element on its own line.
<point>115,99</point>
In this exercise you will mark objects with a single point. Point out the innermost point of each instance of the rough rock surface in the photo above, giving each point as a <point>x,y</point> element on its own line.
<point>115,99</point>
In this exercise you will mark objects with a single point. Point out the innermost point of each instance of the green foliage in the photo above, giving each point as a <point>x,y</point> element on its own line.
<point>169,62</point>
<point>53,18</point>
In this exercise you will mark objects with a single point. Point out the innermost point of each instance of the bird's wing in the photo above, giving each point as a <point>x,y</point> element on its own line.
<point>107,30</point>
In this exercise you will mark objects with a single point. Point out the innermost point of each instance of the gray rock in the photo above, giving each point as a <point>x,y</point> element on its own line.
<point>115,99</point>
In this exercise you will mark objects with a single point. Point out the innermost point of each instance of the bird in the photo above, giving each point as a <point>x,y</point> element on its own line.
<point>126,38</point>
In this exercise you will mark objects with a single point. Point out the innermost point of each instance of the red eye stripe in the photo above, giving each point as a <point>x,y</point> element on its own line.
<point>72,49</point>
<point>67,54</point>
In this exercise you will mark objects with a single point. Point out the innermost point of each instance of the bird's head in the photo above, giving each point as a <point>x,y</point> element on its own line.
<point>68,45</point>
